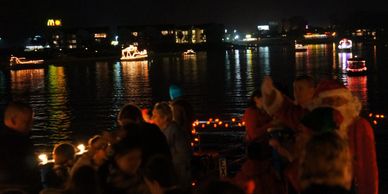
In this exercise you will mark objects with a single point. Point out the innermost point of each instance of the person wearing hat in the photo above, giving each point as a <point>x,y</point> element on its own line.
<point>354,128</point>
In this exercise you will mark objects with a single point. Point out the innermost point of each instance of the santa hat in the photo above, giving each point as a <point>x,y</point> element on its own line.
<point>347,104</point>
<point>330,86</point>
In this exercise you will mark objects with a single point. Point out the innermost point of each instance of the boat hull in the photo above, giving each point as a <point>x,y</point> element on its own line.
<point>301,50</point>
<point>134,59</point>
<point>27,66</point>
<point>356,73</point>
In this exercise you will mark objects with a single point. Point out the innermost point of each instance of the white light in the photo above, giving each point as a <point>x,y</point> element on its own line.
<point>226,31</point>
<point>263,27</point>
<point>81,149</point>
<point>234,31</point>
<point>236,37</point>
<point>114,42</point>
<point>43,158</point>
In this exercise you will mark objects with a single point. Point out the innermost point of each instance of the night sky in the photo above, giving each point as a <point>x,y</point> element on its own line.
<point>25,16</point>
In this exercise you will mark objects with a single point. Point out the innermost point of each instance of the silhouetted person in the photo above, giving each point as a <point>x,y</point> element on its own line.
<point>18,165</point>
<point>133,126</point>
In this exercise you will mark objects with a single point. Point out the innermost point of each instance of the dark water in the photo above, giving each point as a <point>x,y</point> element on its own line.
<point>72,102</point>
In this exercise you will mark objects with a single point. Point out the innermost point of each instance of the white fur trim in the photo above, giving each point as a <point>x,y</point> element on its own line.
<point>337,92</point>
<point>277,103</point>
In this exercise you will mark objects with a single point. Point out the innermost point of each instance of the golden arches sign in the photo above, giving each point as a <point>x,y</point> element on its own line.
<point>54,22</point>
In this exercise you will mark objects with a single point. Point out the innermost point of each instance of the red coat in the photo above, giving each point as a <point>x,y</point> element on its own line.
<point>256,123</point>
<point>361,142</point>
<point>362,147</point>
<point>259,177</point>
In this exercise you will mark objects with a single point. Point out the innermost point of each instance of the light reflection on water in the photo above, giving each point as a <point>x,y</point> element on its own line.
<point>72,102</point>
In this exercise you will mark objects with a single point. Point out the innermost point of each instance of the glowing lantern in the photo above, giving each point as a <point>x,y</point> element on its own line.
<point>43,158</point>
<point>81,148</point>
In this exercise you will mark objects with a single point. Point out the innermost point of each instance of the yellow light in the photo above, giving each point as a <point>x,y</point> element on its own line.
<point>374,122</point>
<point>50,22</point>
<point>100,35</point>
<point>370,114</point>
<point>215,125</point>
<point>239,124</point>
<point>81,149</point>
<point>220,123</point>
<point>208,123</point>
<point>382,116</point>
<point>377,116</point>
<point>226,125</point>
<point>243,123</point>
<point>233,119</point>
<point>192,144</point>
<point>43,158</point>
<point>193,124</point>
<point>58,23</point>
<point>217,120</point>
<point>196,139</point>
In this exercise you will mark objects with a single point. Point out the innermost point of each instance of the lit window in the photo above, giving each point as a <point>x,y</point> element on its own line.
<point>135,34</point>
<point>100,35</point>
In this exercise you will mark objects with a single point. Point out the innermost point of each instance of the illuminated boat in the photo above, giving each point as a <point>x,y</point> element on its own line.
<point>189,52</point>
<point>300,47</point>
<point>132,54</point>
<point>356,66</point>
<point>345,45</point>
<point>22,62</point>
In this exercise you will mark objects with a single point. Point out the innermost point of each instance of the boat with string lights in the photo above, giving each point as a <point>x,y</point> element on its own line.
<point>189,52</point>
<point>345,45</point>
<point>131,53</point>
<point>356,66</point>
<point>23,63</point>
<point>300,48</point>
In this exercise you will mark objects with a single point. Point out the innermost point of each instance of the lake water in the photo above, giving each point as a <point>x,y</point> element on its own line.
<point>74,101</point>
